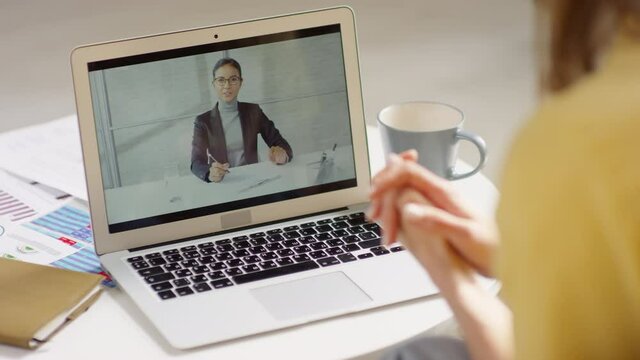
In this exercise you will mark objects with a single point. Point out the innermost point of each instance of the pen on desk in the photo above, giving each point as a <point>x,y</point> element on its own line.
<point>334,147</point>
<point>212,159</point>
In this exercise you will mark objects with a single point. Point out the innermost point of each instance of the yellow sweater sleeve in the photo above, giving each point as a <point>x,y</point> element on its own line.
<point>570,222</point>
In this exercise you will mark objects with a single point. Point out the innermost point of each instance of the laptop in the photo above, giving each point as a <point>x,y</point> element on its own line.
<point>228,172</point>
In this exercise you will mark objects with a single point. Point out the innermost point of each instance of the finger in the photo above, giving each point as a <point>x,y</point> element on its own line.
<point>411,155</point>
<point>389,217</point>
<point>436,221</point>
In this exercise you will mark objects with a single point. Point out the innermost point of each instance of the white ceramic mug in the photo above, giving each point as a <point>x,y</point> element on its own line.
<point>433,129</point>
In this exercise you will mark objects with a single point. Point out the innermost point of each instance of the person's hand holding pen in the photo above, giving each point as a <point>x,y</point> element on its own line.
<point>278,155</point>
<point>217,170</point>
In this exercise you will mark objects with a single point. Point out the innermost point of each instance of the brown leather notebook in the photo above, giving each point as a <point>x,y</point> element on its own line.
<point>36,300</point>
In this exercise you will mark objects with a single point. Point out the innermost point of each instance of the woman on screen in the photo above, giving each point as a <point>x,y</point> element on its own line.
<point>226,136</point>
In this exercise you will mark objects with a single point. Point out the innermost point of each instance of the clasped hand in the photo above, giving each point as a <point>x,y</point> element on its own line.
<point>217,171</point>
<point>278,155</point>
<point>447,236</point>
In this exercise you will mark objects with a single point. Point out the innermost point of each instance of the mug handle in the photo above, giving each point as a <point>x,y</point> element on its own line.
<point>482,148</point>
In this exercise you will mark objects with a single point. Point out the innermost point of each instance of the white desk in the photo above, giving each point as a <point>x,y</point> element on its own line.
<point>114,329</point>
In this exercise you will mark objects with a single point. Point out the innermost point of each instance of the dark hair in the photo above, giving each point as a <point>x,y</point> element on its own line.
<point>224,61</point>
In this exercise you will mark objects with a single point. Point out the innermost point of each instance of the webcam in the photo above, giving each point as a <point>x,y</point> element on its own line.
<point>215,36</point>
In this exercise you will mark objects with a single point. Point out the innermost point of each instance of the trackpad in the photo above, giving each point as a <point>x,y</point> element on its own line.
<point>319,294</point>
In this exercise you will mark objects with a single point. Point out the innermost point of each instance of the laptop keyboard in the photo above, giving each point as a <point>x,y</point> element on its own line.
<point>218,264</point>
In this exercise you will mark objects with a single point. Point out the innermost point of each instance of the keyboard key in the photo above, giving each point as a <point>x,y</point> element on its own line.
<point>356,215</point>
<point>218,266</point>
<point>341,218</point>
<point>317,254</point>
<point>198,278</point>
<point>346,258</point>
<point>380,250</point>
<point>170,252</point>
<point>357,220</point>
<point>340,225</point>
<point>355,230</point>
<point>284,261</point>
<point>274,231</point>
<point>302,249</point>
<point>324,228</point>
<point>183,273</point>
<point>242,244</point>
<point>367,236</point>
<point>250,268</point>
<point>235,262</point>
<point>308,231</point>
<point>291,228</point>
<point>335,242</point>
<point>172,267</point>
<point>135,259</point>
<point>200,269</point>
<point>164,295</point>
<point>365,256</point>
<point>290,243</point>
<point>208,251</point>
<point>257,235</point>
<point>219,284</point>
<point>274,246</point>
<point>285,252</point>
<point>184,291</point>
<point>269,256</point>
<point>318,246</point>
<point>191,255</point>
<point>188,248</point>
<point>158,278</point>
<point>291,235</point>
<point>328,261</point>
<point>252,259</point>
<point>206,260</point>
<point>162,286</point>
<point>189,263</point>
<point>369,243</point>
<point>157,261</point>
<point>307,240</point>
<point>275,238</point>
<point>266,274</point>
<point>225,248</point>
<point>268,265</point>
<point>216,275</point>
<point>334,251</point>
<point>351,239</point>
<point>396,248</point>
<point>323,222</point>
<point>300,258</point>
<point>223,257</point>
<point>202,287</point>
<point>339,233</point>
<point>223,242</point>
<point>258,241</point>
<point>205,245</point>
<point>240,253</point>
<point>151,271</point>
<point>258,250</point>
<point>324,236</point>
<point>152,255</point>
<point>351,247</point>
<point>140,265</point>
<point>233,271</point>
<point>240,238</point>
<point>181,282</point>
<point>174,257</point>
<point>307,225</point>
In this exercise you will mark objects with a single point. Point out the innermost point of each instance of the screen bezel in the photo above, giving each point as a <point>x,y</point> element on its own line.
<point>81,57</point>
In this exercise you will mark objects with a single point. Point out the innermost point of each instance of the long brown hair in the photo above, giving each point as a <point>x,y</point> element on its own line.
<point>573,34</point>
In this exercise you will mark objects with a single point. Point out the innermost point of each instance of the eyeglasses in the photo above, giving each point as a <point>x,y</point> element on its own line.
<point>233,80</point>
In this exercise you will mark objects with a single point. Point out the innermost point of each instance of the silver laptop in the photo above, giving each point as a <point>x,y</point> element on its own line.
<point>228,173</point>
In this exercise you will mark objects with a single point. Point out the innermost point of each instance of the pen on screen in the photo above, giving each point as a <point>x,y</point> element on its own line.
<point>211,159</point>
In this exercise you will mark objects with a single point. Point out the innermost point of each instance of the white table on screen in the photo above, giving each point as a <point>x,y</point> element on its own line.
<point>115,329</point>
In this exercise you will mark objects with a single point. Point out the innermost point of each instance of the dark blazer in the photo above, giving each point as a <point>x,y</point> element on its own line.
<point>208,134</point>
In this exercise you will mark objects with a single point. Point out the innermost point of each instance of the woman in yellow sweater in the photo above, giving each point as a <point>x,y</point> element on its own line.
<point>566,245</point>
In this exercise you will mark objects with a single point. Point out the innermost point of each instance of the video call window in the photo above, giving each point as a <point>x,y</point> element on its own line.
<point>213,128</point>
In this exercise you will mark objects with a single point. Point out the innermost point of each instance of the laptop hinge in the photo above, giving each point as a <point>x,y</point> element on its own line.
<point>236,229</point>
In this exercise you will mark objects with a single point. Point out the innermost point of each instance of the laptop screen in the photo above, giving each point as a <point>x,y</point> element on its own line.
<point>212,128</point>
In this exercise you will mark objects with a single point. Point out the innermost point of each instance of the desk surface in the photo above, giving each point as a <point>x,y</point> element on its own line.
<point>114,328</point>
